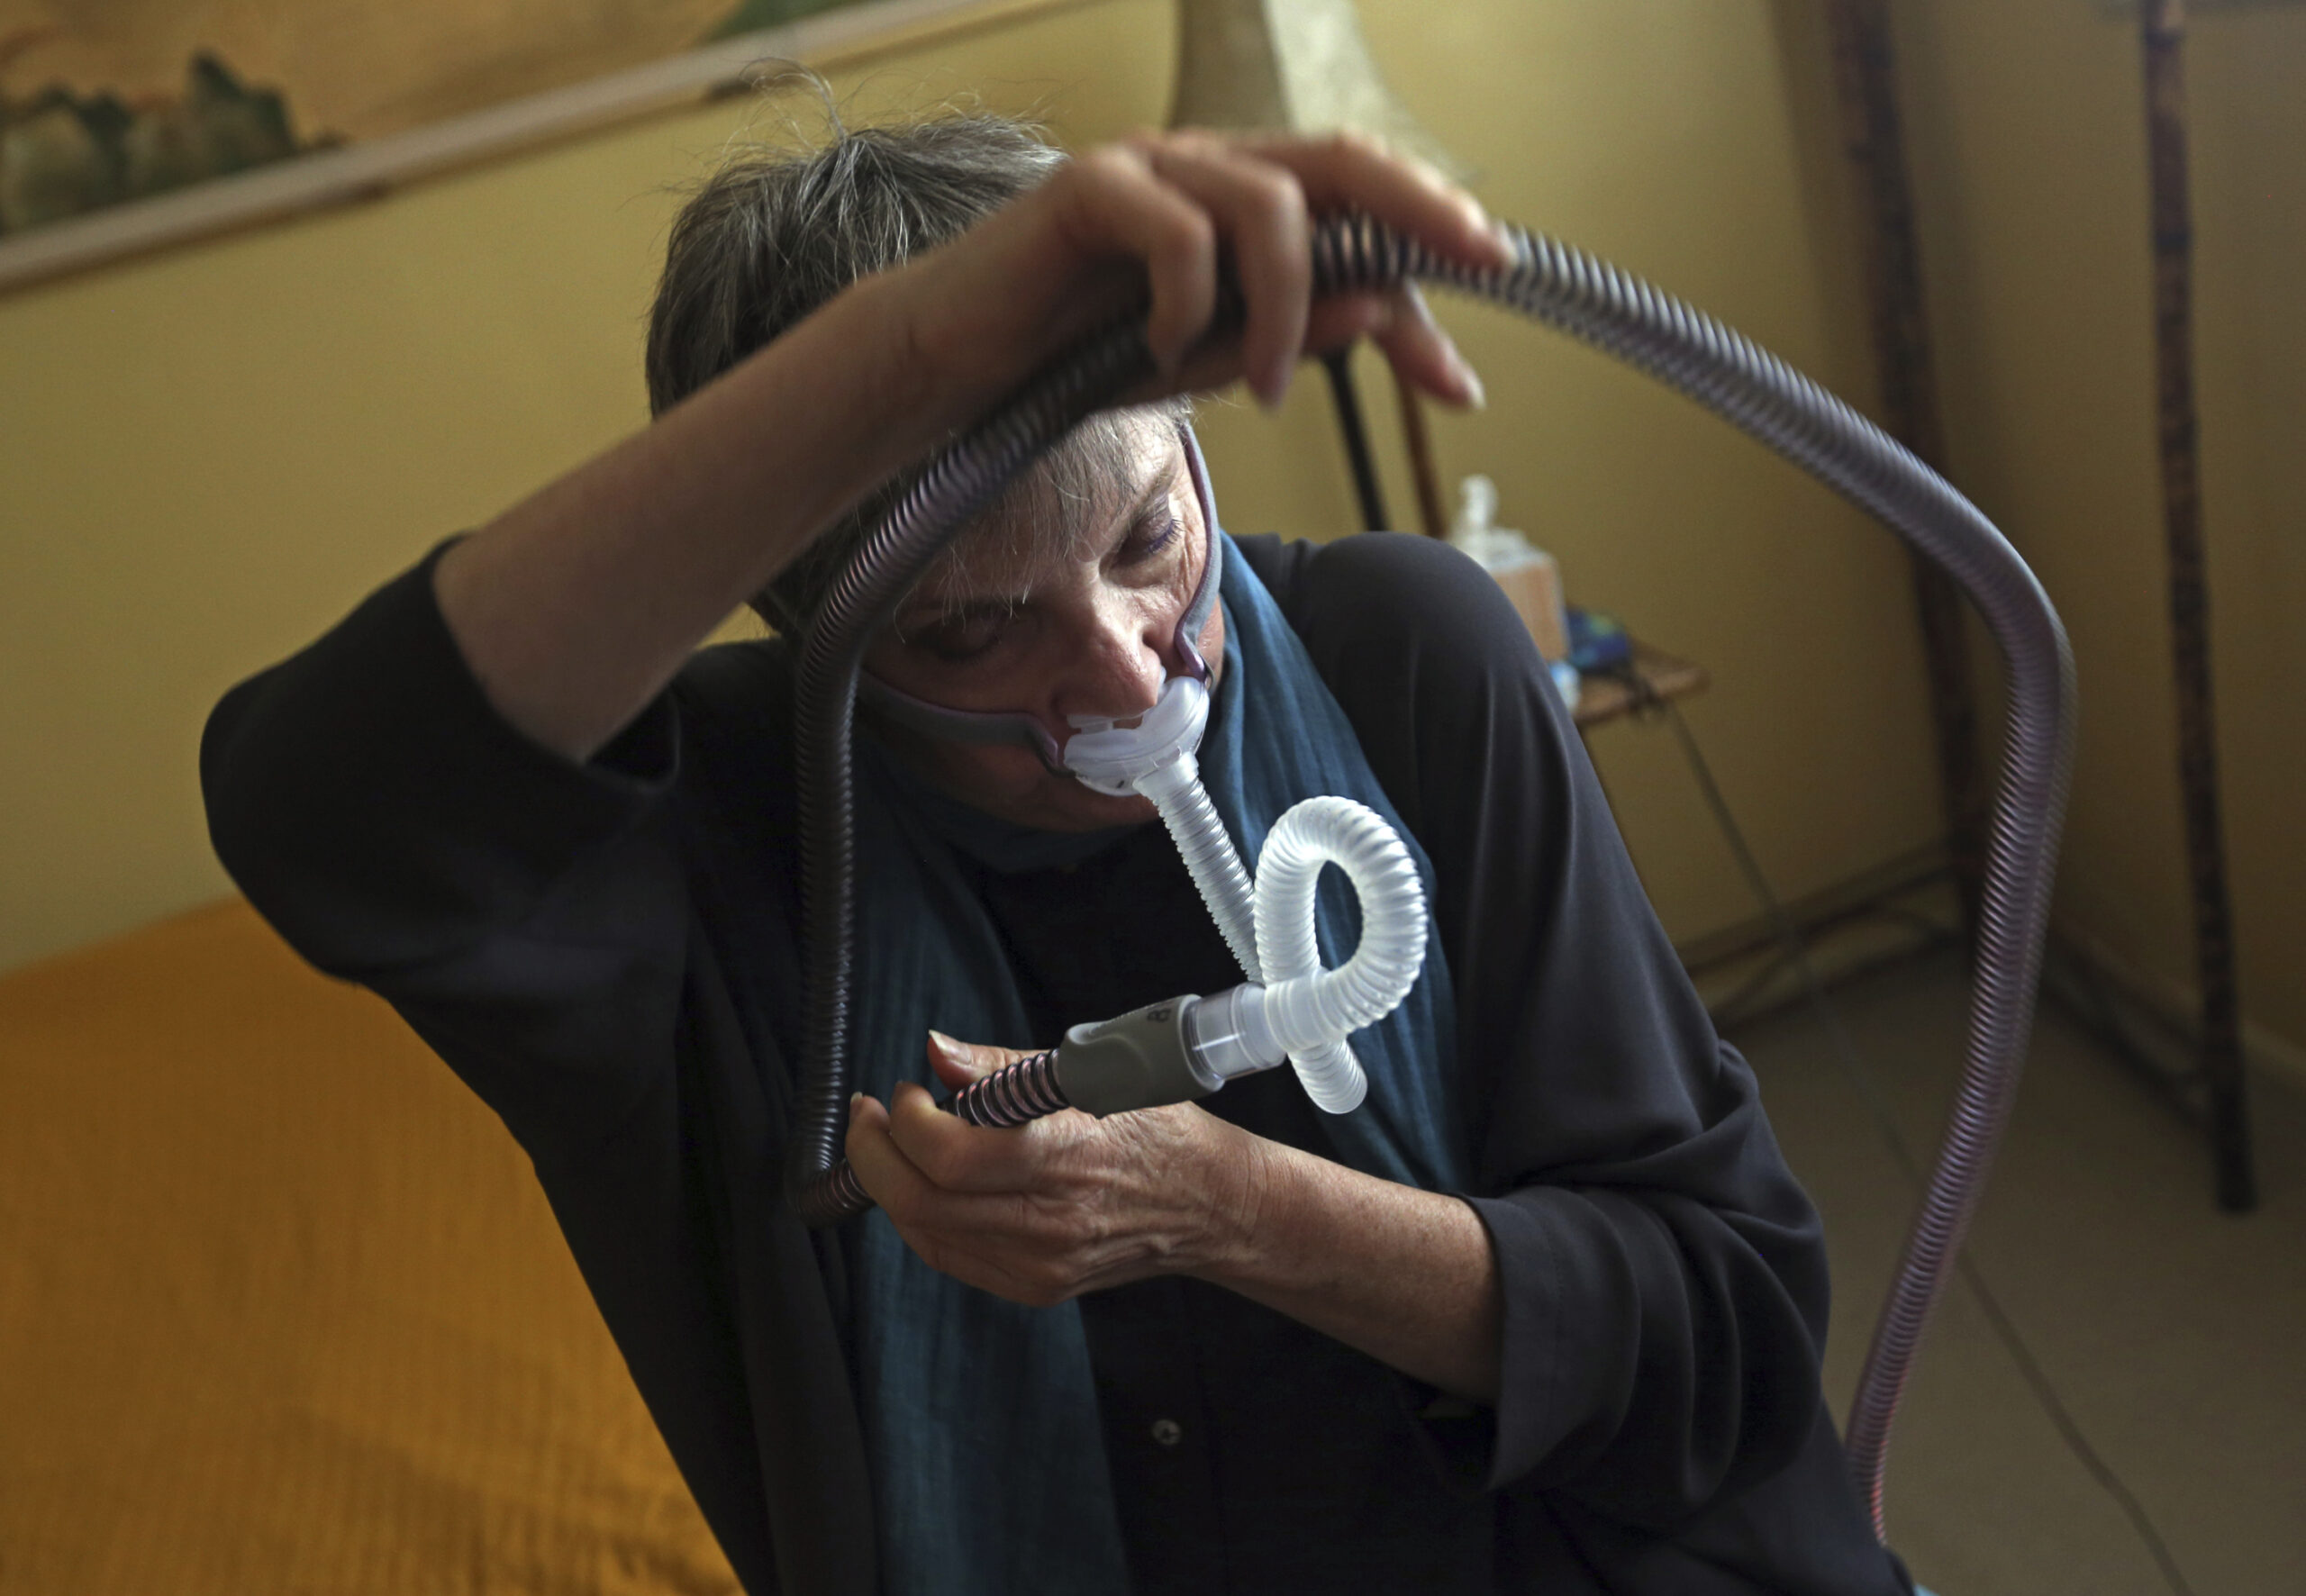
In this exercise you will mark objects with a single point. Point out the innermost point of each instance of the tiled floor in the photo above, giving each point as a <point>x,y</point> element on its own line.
<point>2172,1332</point>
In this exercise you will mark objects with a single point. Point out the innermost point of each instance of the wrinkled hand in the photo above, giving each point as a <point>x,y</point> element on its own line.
<point>1066,1204</point>
<point>1153,216</point>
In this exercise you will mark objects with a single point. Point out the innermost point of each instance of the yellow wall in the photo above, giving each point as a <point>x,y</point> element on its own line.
<point>2032,151</point>
<point>209,455</point>
<point>1687,141</point>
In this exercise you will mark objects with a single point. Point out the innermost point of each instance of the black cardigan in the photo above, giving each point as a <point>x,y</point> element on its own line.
<point>609,956</point>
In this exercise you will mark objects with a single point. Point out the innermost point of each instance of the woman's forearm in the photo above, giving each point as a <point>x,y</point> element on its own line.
<point>1405,1275</point>
<point>576,607</point>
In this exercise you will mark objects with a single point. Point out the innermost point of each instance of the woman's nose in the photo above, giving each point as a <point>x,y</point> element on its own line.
<point>1120,663</point>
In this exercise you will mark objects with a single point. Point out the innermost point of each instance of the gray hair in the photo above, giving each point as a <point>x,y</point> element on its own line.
<point>771,237</point>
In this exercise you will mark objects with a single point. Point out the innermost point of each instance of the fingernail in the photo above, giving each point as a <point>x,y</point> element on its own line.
<point>856,1101</point>
<point>1477,397</point>
<point>946,1047</point>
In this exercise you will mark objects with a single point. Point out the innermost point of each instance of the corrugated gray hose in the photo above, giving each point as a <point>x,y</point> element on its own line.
<point>1698,357</point>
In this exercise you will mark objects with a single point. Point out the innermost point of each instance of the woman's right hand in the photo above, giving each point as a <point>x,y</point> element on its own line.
<point>1153,216</point>
<point>575,607</point>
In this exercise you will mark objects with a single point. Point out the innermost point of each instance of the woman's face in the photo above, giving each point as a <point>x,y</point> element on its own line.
<point>1079,625</point>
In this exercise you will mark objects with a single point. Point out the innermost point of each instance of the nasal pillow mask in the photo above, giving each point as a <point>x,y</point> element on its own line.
<point>1299,1011</point>
<point>1023,730</point>
<point>1185,1048</point>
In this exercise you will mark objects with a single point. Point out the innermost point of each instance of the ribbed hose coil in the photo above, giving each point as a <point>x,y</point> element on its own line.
<point>1210,857</point>
<point>1696,356</point>
<point>957,483</point>
<point>1313,1010</point>
<point>1014,1095</point>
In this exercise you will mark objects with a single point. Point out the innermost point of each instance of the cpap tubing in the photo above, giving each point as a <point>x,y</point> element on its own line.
<point>1700,358</point>
<point>1155,758</point>
<point>1291,1005</point>
<point>1190,1045</point>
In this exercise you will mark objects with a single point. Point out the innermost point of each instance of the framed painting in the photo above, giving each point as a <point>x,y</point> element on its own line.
<point>127,124</point>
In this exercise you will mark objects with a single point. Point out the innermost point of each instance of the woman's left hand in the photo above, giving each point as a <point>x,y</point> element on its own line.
<point>1066,1204</point>
<point>1070,1204</point>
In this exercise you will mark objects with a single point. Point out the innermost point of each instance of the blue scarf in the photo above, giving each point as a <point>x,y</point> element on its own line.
<point>980,1416</point>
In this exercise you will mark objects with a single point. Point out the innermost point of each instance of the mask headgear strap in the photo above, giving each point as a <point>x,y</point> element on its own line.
<point>1014,729</point>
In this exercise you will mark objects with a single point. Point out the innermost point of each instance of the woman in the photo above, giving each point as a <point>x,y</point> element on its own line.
<point>1547,1316</point>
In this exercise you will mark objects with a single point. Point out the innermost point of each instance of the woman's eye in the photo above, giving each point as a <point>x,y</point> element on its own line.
<point>958,641</point>
<point>1150,538</point>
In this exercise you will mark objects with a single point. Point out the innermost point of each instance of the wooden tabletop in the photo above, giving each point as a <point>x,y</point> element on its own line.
<point>1652,677</point>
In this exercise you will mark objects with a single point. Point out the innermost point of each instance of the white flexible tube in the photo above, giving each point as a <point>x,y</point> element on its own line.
<point>1210,857</point>
<point>1293,1005</point>
<point>1312,1010</point>
<point>1155,758</point>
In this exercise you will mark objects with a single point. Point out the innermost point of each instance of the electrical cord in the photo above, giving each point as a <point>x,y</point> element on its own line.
<point>1745,1005</point>
<point>1846,1055</point>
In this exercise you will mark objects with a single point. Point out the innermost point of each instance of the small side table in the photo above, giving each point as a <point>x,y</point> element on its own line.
<point>1651,678</point>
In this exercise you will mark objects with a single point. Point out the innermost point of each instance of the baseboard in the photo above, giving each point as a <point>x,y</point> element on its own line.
<point>2174,1006</point>
<point>1879,917</point>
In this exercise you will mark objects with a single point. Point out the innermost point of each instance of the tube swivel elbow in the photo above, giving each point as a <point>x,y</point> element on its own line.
<point>1139,1060</point>
<point>1172,1051</point>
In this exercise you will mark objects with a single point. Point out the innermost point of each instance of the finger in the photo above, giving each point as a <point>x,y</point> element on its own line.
<point>1261,216</point>
<point>943,1227</point>
<point>1352,171</point>
<point>1344,319</point>
<point>959,1157</point>
<point>960,1064</point>
<point>888,1177</point>
<point>1422,354</point>
<point>1115,201</point>
<point>1214,366</point>
<point>1332,323</point>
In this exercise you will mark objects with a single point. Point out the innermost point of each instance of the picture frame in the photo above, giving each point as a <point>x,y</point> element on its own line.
<point>321,172</point>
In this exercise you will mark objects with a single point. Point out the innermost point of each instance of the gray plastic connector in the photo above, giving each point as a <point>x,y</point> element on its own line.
<point>1139,1060</point>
